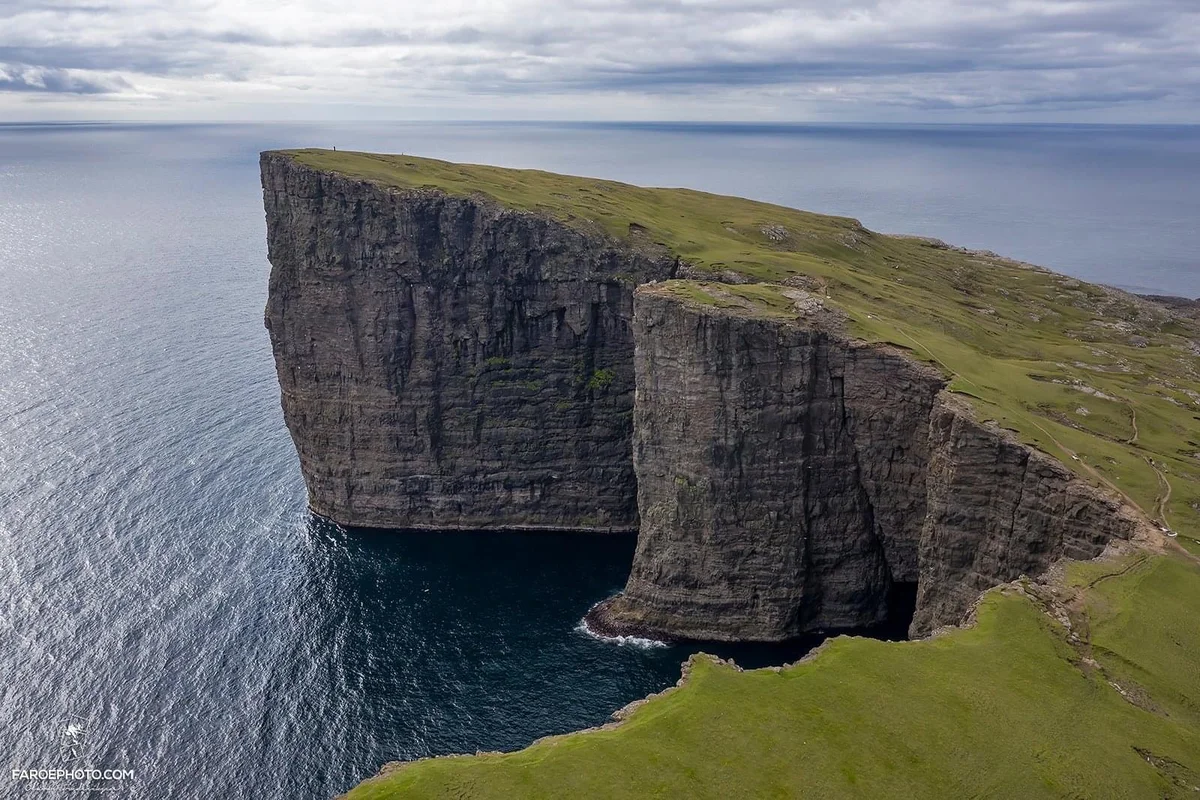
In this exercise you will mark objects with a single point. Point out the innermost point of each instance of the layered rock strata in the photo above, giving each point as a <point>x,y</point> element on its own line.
<point>449,363</point>
<point>996,510</point>
<point>788,476</point>
<point>445,362</point>
<point>781,473</point>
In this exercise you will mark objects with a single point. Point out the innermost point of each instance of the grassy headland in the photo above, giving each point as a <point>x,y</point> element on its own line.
<point>1107,382</point>
<point>1086,684</point>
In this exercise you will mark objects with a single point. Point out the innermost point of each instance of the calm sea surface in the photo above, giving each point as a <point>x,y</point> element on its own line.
<point>160,580</point>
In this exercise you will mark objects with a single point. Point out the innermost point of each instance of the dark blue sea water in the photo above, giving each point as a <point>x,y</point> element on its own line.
<point>160,579</point>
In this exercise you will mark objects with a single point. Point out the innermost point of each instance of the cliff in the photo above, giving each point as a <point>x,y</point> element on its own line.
<point>789,476</point>
<point>831,415</point>
<point>781,469</point>
<point>445,362</point>
<point>997,510</point>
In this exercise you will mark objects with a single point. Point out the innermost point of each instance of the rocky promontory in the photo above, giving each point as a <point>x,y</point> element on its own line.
<point>472,348</point>
<point>790,476</point>
<point>446,362</point>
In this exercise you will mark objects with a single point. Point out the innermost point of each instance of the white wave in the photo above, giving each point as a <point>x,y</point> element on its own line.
<point>622,641</point>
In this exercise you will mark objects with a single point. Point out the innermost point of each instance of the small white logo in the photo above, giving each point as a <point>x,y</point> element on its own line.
<point>72,737</point>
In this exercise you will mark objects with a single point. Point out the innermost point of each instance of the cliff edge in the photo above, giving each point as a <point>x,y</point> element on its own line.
<point>821,413</point>
<point>447,362</point>
<point>790,476</point>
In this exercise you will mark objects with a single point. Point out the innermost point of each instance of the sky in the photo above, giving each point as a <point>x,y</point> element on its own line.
<point>1122,61</point>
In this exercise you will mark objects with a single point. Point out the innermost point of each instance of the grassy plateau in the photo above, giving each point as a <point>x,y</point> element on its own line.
<point>1086,685</point>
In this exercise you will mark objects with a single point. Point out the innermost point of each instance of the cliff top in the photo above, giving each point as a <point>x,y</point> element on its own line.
<point>1106,381</point>
<point>768,301</point>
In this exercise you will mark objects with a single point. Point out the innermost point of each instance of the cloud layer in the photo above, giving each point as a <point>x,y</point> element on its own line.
<point>1121,59</point>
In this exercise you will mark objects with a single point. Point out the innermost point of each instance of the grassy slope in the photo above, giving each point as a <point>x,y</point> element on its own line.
<point>1008,708</point>
<point>1053,359</point>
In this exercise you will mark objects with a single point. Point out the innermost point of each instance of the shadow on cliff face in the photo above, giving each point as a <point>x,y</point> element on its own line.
<point>901,606</point>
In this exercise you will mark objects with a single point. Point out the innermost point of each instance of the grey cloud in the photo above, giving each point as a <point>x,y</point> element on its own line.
<point>1004,54</point>
<point>146,61</point>
<point>14,7</point>
<point>464,35</point>
<point>24,78</point>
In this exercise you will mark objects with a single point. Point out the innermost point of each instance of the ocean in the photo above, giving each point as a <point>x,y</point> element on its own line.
<point>162,583</point>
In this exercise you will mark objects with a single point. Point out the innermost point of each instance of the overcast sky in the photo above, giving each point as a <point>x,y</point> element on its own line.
<point>920,60</point>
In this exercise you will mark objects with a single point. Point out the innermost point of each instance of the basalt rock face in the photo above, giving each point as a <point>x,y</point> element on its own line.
<point>781,475</point>
<point>998,510</point>
<point>448,363</point>
<point>789,475</point>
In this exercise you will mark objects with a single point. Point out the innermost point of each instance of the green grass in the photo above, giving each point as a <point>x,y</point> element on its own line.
<point>1069,367</point>
<point>1012,707</point>
<point>766,300</point>
<point>1008,708</point>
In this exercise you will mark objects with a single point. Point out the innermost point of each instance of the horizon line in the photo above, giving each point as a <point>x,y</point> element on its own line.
<point>595,122</point>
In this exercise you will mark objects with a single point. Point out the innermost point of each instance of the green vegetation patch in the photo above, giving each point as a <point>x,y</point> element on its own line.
<point>1106,382</point>
<point>1013,707</point>
<point>601,379</point>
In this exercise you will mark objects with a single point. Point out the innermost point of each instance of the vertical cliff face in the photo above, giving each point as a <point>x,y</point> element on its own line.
<point>448,363</point>
<point>788,476</point>
<point>998,510</point>
<point>781,473</point>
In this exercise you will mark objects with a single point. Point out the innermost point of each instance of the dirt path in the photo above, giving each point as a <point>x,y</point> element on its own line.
<point>1132,564</point>
<point>1088,467</point>
<point>1164,497</point>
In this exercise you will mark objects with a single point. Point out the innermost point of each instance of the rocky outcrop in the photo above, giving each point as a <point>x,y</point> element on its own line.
<point>445,362</point>
<point>788,476</point>
<point>781,473</point>
<point>998,510</point>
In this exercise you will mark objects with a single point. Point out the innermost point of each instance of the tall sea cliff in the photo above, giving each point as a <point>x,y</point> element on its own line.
<point>450,360</point>
<point>446,362</point>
